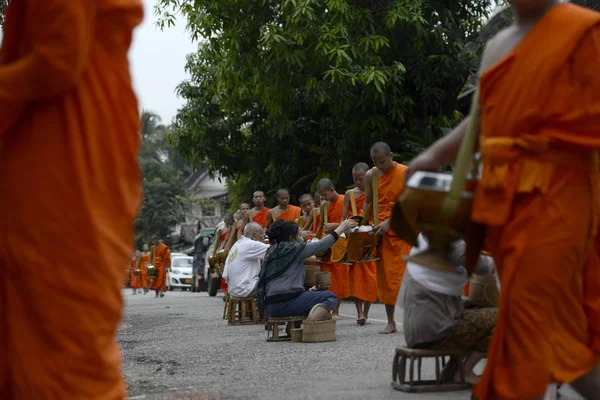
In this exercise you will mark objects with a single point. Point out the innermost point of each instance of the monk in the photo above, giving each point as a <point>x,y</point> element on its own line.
<point>67,106</point>
<point>161,260</point>
<point>242,211</point>
<point>310,216</point>
<point>144,260</point>
<point>284,210</point>
<point>340,273</point>
<point>391,250</point>
<point>134,281</point>
<point>257,214</point>
<point>363,276</point>
<point>538,197</point>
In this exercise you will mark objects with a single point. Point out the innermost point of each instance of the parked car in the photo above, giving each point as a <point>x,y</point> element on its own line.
<point>180,275</point>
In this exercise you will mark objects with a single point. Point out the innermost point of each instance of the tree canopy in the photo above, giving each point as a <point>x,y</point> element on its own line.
<point>282,93</point>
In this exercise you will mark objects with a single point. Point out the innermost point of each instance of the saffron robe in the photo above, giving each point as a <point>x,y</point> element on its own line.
<point>291,214</point>
<point>134,281</point>
<point>363,276</point>
<point>144,261</point>
<point>539,198</point>
<point>340,273</point>
<point>261,217</point>
<point>391,250</point>
<point>68,108</point>
<point>161,259</point>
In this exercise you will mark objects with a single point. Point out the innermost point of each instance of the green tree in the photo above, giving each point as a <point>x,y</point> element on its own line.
<point>164,202</point>
<point>3,4</point>
<point>283,93</point>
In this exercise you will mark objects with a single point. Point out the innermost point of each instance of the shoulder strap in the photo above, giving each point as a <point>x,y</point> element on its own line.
<point>375,201</point>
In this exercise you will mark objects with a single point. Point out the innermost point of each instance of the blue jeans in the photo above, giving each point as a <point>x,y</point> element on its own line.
<point>302,304</point>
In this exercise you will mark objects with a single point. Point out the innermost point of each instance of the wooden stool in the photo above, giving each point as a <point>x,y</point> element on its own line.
<point>273,327</point>
<point>399,370</point>
<point>226,306</point>
<point>242,311</point>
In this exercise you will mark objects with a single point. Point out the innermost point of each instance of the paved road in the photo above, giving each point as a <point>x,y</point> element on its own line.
<point>178,347</point>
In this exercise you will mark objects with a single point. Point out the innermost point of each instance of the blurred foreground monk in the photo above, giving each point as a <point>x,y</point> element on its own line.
<point>257,214</point>
<point>340,273</point>
<point>391,250</point>
<point>284,210</point>
<point>363,276</point>
<point>144,261</point>
<point>538,198</point>
<point>69,129</point>
<point>161,260</point>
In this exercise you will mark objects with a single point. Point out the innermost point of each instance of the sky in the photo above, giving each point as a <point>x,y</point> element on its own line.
<point>157,63</point>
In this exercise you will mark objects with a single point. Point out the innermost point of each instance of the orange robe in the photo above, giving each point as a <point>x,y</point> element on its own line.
<point>291,214</point>
<point>144,261</point>
<point>363,276</point>
<point>261,217</point>
<point>67,107</point>
<point>161,261</point>
<point>223,285</point>
<point>340,273</point>
<point>134,281</point>
<point>539,198</point>
<point>391,250</point>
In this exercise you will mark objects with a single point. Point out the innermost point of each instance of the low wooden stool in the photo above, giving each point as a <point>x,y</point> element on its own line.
<point>226,306</point>
<point>273,327</point>
<point>242,311</point>
<point>418,386</point>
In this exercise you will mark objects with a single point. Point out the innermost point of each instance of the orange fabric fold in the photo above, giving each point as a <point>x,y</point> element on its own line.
<point>340,273</point>
<point>68,107</point>
<point>539,197</point>
<point>391,250</point>
<point>261,217</point>
<point>363,276</point>
<point>291,214</point>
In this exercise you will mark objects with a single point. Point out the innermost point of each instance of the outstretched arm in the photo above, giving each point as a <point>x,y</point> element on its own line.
<point>269,219</point>
<point>368,190</point>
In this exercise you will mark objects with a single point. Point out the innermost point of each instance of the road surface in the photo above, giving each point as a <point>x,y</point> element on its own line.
<point>179,347</point>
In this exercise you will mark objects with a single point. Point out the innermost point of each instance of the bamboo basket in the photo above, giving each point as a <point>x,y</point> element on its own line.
<point>483,291</point>
<point>319,331</point>
<point>297,335</point>
<point>323,280</point>
<point>310,279</point>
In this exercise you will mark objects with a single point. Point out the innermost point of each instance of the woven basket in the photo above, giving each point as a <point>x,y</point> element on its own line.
<point>319,331</point>
<point>483,291</point>
<point>297,335</point>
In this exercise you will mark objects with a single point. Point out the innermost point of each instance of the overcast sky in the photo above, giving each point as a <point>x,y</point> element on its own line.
<point>157,63</point>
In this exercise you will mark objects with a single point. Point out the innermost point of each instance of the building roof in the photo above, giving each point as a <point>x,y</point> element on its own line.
<point>206,187</point>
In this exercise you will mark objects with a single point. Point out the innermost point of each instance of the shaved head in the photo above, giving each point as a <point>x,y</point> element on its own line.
<point>381,148</point>
<point>360,167</point>
<point>305,196</point>
<point>282,192</point>
<point>325,184</point>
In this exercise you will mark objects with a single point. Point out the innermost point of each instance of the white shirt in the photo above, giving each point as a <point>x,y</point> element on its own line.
<point>243,266</point>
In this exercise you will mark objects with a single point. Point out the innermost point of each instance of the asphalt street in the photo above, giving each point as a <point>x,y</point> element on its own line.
<point>179,347</point>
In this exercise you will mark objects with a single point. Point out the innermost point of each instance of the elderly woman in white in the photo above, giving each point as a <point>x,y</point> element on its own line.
<point>434,312</point>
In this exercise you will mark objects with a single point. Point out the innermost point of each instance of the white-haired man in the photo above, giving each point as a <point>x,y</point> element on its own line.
<point>244,260</point>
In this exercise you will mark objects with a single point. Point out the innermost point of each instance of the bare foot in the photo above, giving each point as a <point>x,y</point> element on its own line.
<point>449,371</point>
<point>361,321</point>
<point>390,328</point>
<point>336,317</point>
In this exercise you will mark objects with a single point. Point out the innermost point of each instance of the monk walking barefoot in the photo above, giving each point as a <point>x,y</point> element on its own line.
<point>363,276</point>
<point>538,197</point>
<point>391,250</point>
<point>284,210</point>
<point>69,108</point>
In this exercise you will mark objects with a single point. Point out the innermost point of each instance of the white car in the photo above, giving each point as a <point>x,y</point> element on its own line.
<point>180,275</point>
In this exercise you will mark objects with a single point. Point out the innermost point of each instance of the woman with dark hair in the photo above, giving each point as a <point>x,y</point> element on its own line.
<point>281,280</point>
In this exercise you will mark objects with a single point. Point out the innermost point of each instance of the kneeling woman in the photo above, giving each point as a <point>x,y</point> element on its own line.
<point>281,280</point>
